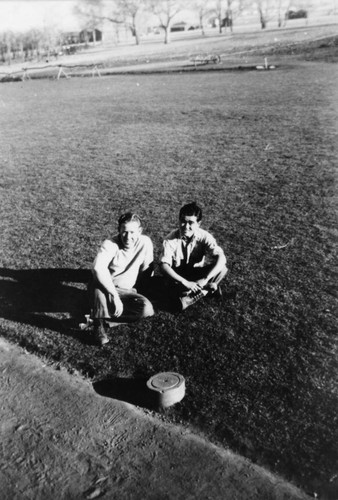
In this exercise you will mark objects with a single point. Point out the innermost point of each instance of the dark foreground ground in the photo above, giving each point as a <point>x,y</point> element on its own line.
<point>258,151</point>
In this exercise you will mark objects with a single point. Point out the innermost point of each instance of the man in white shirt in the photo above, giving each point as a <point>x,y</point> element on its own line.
<point>191,261</point>
<point>121,263</point>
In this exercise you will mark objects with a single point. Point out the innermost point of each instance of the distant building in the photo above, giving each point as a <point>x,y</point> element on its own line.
<point>82,37</point>
<point>70,38</point>
<point>296,14</point>
<point>181,26</point>
<point>90,36</point>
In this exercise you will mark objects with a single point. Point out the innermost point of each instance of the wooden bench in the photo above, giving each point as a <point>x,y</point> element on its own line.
<point>205,59</point>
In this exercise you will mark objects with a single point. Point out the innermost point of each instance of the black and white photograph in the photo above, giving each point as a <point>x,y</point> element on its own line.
<point>168,249</point>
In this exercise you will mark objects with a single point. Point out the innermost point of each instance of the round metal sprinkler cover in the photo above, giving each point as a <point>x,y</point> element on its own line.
<point>168,388</point>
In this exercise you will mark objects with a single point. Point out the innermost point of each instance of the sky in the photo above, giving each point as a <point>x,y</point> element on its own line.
<point>20,15</point>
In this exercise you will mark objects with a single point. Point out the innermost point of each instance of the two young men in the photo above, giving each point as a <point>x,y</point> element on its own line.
<point>191,262</point>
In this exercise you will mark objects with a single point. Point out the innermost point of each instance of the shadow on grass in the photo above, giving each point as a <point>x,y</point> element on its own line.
<point>157,292</point>
<point>45,298</point>
<point>129,390</point>
<point>57,299</point>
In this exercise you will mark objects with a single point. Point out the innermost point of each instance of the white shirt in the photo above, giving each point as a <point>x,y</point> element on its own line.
<point>126,264</point>
<point>200,251</point>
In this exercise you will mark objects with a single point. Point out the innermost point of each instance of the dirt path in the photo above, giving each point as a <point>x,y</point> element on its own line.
<point>61,440</point>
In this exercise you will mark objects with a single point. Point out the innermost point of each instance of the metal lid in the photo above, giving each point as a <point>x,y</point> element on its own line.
<point>165,381</point>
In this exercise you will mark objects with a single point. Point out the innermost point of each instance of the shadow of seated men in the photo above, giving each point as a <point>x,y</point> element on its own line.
<point>46,298</point>
<point>160,295</point>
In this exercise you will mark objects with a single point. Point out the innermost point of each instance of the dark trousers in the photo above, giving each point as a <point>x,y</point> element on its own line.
<point>193,274</point>
<point>135,305</point>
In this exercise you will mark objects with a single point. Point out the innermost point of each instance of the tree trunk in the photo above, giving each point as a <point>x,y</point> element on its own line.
<point>229,17</point>
<point>9,55</point>
<point>201,24</point>
<point>219,15</point>
<point>262,20</point>
<point>166,34</point>
<point>135,31</point>
<point>117,33</point>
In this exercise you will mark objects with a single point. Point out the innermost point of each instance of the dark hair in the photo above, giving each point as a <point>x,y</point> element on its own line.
<point>129,217</point>
<point>191,209</point>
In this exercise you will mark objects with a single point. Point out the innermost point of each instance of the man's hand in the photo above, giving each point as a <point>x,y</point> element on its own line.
<point>118,306</point>
<point>192,286</point>
<point>202,282</point>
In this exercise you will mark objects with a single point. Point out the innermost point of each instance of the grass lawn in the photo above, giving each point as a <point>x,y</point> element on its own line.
<point>257,151</point>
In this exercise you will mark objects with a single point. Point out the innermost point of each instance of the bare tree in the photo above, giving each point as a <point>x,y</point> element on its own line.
<point>93,12</point>
<point>90,11</point>
<point>129,10</point>
<point>32,44</point>
<point>333,10</point>
<point>118,12</point>
<point>282,7</point>
<point>7,42</point>
<point>274,9</point>
<point>265,9</point>
<point>219,14</point>
<point>203,9</point>
<point>49,42</point>
<point>235,8</point>
<point>165,11</point>
<point>33,39</point>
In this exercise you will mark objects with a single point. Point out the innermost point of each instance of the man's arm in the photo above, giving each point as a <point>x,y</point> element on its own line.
<point>215,255</point>
<point>169,271</point>
<point>220,264</point>
<point>147,268</point>
<point>102,275</point>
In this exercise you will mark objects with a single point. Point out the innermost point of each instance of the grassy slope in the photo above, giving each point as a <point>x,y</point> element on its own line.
<point>232,47</point>
<point>257,151</point>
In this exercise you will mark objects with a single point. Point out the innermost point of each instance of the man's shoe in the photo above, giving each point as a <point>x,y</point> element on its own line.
<point>214,291</point>
<point>190,299</point>
<point>100,336</point>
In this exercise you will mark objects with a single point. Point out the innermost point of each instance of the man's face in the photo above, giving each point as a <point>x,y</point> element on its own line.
<point>129,234</point>
<point>188,225</point>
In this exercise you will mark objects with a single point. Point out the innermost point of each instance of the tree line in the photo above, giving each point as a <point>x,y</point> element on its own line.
<point>28,45</point>
<point>137,16</point>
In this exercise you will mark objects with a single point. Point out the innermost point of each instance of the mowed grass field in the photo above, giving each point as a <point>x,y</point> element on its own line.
<point>258,152</point>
